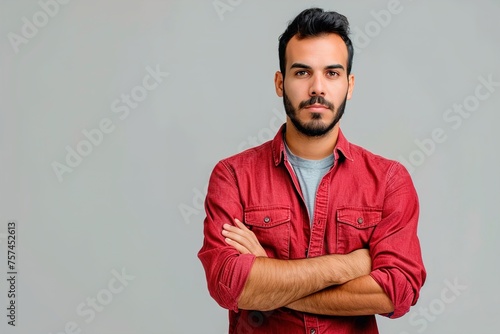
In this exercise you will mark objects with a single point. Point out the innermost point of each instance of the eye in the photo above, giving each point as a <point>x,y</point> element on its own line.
<point>300,73</point>
<point>332,74</point>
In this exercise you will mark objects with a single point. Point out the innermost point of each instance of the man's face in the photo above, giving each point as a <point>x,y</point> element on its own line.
<point>316,85</point>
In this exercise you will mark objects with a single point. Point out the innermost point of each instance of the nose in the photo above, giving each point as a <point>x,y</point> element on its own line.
<point>317,87</point>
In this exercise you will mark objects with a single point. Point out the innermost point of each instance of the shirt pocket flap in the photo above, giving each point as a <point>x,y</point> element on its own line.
<point>359,217</point>
<point>267,217</point>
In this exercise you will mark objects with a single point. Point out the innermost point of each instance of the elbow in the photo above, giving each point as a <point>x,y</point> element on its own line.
<point>401,294</point>
<point>218,288</point>
<point>226,279</point>
<point>223,296</point>
<point>402,306</point>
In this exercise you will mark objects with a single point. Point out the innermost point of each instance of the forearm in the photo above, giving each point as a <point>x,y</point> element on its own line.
<point>275,283</point>
<point>361,296</point>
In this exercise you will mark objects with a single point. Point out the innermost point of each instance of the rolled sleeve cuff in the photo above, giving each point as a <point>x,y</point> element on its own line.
<point>232,281</point>
<point>397,288</point>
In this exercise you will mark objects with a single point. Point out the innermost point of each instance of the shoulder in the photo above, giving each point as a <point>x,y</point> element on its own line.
<point>251,154</point>
<point>250,158</point>
<point>364,158</point>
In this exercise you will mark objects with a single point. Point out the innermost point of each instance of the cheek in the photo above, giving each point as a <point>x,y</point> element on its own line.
<point>295,91</point>
<point>338,93</point>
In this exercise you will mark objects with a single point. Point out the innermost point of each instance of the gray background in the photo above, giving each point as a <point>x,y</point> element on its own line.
<point>134,202</point>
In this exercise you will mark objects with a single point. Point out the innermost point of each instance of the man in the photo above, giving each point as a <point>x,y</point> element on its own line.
<point>309,233</point>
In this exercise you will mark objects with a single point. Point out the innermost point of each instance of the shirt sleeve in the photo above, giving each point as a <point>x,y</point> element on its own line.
<point>226,269</point>
<point>397,264</point>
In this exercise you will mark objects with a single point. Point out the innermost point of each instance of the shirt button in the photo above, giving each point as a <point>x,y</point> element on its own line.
<point>360,220</point>
<point>267,220</point>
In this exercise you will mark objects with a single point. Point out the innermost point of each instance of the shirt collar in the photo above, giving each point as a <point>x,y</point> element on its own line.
<point>342,148</point>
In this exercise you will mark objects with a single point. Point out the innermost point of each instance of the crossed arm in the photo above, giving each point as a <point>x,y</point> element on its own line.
<point>332,284</point>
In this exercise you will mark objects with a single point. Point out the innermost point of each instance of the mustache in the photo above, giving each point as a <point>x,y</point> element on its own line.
<point>317,100</point>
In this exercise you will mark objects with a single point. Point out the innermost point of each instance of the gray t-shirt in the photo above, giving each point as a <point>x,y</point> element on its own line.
<point>309,173</point>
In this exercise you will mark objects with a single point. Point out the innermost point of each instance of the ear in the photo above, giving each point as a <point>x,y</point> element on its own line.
<point>350,82</point>
<point>278,83</point>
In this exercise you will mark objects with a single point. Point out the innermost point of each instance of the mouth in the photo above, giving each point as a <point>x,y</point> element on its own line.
<point>317,107</point>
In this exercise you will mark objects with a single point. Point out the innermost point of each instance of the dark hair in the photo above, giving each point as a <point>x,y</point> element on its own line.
<point>316,22</point>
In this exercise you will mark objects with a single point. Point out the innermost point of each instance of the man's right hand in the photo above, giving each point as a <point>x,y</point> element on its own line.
<point>244,240</point>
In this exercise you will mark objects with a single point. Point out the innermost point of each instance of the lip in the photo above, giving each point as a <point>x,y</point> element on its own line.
<point>316,107</point>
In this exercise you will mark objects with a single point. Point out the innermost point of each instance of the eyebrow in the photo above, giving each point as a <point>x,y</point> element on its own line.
<point>329,67</point>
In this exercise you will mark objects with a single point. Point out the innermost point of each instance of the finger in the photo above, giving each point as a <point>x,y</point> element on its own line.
<point>231,228</point>
<point>240,248</point>
<point>238,236</point>
<point>245,249</point>
<point>237,230</point>
<point>244,228</point>
<point>240,224</point>
<point>246,233</point>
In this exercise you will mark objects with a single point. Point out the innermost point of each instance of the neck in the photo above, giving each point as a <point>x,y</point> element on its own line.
<point>312,148</point>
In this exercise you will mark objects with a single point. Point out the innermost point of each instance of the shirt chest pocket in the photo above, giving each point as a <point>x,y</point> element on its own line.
<point>355,227</point>
<point>271,226</point>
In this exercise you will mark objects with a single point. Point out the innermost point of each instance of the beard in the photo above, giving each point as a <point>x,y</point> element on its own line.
<point>315,127</point>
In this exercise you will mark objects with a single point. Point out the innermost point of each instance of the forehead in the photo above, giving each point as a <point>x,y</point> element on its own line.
<point>320,50</point>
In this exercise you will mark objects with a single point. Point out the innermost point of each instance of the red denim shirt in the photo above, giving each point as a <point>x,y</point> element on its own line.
<point>364,201</point>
